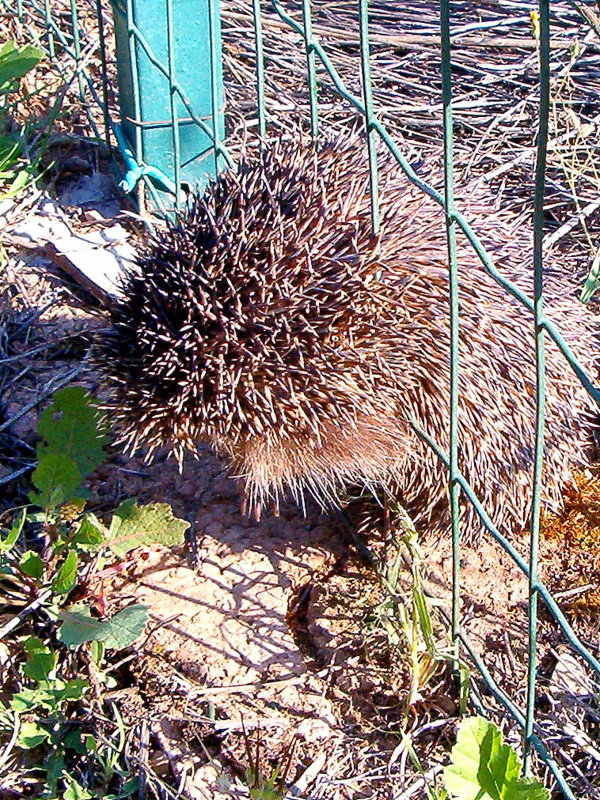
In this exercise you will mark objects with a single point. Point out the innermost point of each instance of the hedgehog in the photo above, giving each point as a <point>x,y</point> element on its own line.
<point>271,322</point>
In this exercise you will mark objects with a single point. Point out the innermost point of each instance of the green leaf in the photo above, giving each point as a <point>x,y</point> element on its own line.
<point>483,768</point>
<point>40,666</point>
<point>16,62</point>
<point>78,627</point>
<point>73,740</point>
<point>481,764</point>
<point>91,533</point>
<point>72,426</point>
<point>74,790</point>
<point>41,661</point>
<point>591,282</point>
<point>117,632</point>
<point>129,787</point>
<point>30,699</point>
<point>55,766</point>
<point>34,645</point>
<point>49,695</point>
<point>13,534</point>
<point>133,526</point>
<point>66,577</point>
<point>526,789</point>
<point>31,735</point>
<point>125,627</point>
<point>10,150</point>
<point>73,690</point>
<point>57,478</point>
<point>32,565</point>
<point>37,516</point>
<point>97,650</point>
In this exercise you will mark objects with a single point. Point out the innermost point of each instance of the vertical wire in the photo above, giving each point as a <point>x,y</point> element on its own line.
<point>260,69</point>
<point>213,22</point>
<point>104,73</point>
<point>454,487</point>
<point>538,298</point>
<point>368,101</point>
<point>173,103</point>
<point>155,199</point>
<point>312,68</point>
<point>135,82</point>
<point>77,48</point>
<point>48,21</point>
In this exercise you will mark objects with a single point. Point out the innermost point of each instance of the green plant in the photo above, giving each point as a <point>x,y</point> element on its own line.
<point>15,171</point>
<point>40,713</point>
<point>42,718</point>
<point>271,784</point>
<point>406,612</point>
<point>107,754</point>
<point>482,767</point>
<point>58,581</point>
<point>77,546</point>
<point>15,63</point>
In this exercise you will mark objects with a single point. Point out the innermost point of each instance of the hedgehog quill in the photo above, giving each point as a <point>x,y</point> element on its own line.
<point>272,324</point>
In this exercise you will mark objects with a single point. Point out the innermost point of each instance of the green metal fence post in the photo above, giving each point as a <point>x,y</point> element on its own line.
<point>170,76</point>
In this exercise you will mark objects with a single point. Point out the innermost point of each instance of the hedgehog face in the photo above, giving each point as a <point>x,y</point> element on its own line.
<point>243,321</point>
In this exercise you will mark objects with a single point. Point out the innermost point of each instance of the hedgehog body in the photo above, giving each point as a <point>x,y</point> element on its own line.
<point>272,323</point>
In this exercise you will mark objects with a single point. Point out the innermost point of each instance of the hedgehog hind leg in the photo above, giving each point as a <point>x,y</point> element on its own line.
<point>374,514</point>
<point>250,505</point>
<point>254,501</point>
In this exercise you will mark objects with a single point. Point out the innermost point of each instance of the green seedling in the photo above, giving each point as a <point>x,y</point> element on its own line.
<point>482,767</point>
<point>78,545</point>
<point>16,174</point>
<point>270,783</point>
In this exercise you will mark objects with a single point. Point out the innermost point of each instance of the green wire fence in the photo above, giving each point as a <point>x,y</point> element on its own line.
<point>193,137</point>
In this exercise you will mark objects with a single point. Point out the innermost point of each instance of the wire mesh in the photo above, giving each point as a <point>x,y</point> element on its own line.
<point>64,45</point>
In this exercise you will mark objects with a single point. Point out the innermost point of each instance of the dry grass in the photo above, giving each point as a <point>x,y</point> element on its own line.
<point>574,539</point>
